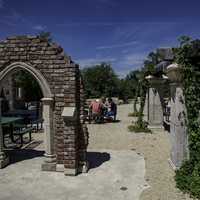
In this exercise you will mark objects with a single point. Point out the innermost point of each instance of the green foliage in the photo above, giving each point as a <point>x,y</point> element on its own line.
<point>188,56</point>
<point>128,85</point>
<point>142,88</point>
<point>31,88</point>
<point>100,80</point>
<point>45,36</point>
<point>184,40</point>
<point>134,114</point>
<point>188,178</point>
<point>149,64</point>
<point>139,127</point>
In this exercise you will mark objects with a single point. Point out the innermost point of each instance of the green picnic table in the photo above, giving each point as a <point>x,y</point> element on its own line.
<point>7,122</point>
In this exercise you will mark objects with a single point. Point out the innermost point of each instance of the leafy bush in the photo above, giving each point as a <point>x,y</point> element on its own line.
<point>139,127</point>
<point>187,55</point>
<point>134,114</point>
<point>188,179</point>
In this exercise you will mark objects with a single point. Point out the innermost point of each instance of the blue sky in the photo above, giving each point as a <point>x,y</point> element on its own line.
<point>121,32</point>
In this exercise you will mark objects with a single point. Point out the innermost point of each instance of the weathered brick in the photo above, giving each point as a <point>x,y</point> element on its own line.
<point>62,75</point>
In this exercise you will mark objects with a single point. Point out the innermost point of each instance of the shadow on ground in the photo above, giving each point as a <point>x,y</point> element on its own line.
<point>18,155</point>
<point>96,159</point>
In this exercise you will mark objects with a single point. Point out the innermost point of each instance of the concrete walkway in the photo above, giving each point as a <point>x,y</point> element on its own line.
<point>117,172</point>
<point>105,181</point>
<point>124,166</point>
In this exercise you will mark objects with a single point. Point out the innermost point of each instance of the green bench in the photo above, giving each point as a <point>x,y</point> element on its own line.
<point>37,122</point>
<point>21,132</point>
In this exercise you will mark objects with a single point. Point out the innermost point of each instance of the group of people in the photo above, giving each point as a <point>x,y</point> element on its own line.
<point>103,109</point>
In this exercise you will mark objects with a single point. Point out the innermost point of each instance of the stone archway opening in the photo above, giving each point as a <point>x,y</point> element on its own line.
<point>47,108</point>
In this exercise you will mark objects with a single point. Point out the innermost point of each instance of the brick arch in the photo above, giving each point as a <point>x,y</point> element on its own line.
<point>36,74</point>
<point>59,79</point>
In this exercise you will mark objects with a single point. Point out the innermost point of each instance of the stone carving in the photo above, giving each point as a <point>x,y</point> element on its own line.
<point>178,129</point>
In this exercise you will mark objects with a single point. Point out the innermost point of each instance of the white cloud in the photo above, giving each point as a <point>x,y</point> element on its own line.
<point>122,65</point>
<point>129,62</point>
<point>134,59</point>
<point>92,24</point>
<point>117,45</point>
<point>39,27</point>
<point>93,61</point>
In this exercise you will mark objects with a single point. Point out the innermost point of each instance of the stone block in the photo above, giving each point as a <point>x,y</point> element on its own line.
<point>48,167</point>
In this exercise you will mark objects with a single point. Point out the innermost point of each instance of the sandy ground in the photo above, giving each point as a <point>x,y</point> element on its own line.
<point>155,148</point>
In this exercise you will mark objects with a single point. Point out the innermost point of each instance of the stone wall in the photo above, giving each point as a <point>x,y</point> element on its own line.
<point>63,77</point>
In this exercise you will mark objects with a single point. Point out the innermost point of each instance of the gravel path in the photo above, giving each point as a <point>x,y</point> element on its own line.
<point>154,148</point>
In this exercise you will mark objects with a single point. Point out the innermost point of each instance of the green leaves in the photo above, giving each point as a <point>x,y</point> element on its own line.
<point>188,56</point>
<point>31,88</point>
<point>100,80</point>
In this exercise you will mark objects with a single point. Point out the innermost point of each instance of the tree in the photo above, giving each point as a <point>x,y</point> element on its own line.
<point>27,82</point>
<point>45,36</point>
<point>128,85</point>
<point>184,40</point>
<point>100,80</point>
<point>152,60</point>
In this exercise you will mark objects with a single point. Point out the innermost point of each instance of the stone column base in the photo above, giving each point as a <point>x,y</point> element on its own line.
<point>48,166</point>
<point>83,168</point>
<point>70,172</point>
<point>160,127</point>
<point>67,171</point>
<point>4,162</point>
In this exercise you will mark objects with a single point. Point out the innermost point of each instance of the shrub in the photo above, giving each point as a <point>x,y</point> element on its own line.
<point>134,114</point>
<point>139,127</point>
<point>188,179</point>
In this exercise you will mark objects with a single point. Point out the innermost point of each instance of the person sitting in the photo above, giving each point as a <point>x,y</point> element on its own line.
<point>95,108</point>
<point>113,109</point>
<point>104,106</point>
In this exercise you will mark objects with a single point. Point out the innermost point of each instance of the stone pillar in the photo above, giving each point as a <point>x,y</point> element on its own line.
<point>50,157</point>
<point>4,160</point>
<point>11,94</point>
<point>155,110</point>
<point>178,134</point>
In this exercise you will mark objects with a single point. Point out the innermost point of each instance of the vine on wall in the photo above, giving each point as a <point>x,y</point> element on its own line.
<point>140,125</point>
<point>188,57</point>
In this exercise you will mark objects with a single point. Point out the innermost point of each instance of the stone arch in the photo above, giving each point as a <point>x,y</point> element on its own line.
<point>47,102</point>
<point>36,74</point>
<point>59,79</point>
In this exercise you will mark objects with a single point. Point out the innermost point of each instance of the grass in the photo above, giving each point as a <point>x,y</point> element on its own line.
<point>134,114</point>
<point>139,128</point>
